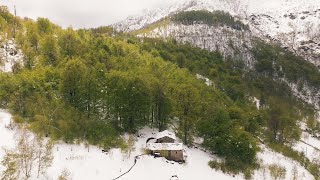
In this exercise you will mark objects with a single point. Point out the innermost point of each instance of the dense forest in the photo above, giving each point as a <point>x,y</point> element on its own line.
<point>94,85</point>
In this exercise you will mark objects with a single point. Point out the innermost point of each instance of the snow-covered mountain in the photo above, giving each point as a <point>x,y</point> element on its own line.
<point>293,23</point>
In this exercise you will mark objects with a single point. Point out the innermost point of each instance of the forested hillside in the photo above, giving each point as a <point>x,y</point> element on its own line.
<point>217,18</point>
<point>94,85</point>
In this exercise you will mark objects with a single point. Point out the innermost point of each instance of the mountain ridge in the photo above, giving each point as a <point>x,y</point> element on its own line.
<point>292,23</point>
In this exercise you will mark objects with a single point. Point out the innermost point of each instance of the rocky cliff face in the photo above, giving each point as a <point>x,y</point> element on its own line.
<point>230,42</point>
<point>297,31</point>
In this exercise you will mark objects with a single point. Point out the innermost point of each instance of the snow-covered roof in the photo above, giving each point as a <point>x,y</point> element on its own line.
<point>165,146</point>
<point>166,133</point>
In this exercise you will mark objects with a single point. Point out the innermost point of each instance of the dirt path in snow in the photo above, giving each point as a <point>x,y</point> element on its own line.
<point>135,162</point>
<point>310,145</point>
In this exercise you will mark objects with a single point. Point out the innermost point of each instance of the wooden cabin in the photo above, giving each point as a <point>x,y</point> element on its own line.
<point>165,146</point>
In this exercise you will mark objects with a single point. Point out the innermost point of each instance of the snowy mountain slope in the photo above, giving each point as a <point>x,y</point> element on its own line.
<point>270,157</point>
<point>308,94</point>
<point>90,163</point>
<point>230,42</point>
<point>293,23</point>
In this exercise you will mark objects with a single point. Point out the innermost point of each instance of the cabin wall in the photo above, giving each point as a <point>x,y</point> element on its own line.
<point>176,155</point>
<point>173,155</point>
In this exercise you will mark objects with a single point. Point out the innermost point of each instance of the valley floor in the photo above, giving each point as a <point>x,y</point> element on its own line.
<point>90,163</point>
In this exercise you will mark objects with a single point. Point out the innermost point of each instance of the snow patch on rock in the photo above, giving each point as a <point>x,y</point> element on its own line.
<point>230,42</point>
<point>308,94</point>
<point>9,55</point>
<point>205,79</point>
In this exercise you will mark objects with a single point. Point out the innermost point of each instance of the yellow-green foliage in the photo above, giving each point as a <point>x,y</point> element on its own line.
<point>40,125</point>
<point>18,119</point>
<point>146,151</point>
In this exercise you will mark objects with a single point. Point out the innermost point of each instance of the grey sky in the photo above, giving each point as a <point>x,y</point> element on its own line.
<point>82,13</point>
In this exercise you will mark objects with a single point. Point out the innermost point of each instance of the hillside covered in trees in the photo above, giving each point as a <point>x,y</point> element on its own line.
<point>95,85</point>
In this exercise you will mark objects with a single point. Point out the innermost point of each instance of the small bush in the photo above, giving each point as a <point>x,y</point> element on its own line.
<point>146,151</point>
<point>65,175</point>
<point>234,168</point>
<point>18,119</point>
<point>277,171</point>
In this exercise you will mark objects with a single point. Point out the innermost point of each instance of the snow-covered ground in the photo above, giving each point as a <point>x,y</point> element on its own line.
<point>90,163</point>
<point>311,152</point>
<point>6,136</point>
<point>270,157</point>
<point>95,164</point>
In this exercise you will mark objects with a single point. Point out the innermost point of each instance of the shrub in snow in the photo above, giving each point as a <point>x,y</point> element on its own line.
<point>30,152</point>
<point>65,175</point>
<point>277,172</point>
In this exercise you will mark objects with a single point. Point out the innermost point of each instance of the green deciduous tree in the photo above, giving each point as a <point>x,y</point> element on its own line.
<point>70,43</point>
<point>72,82</point>
<point>49,50</point>
<point>130,100</point>
<point>283,126</point>
<point>187,99</point>
<point>44,26</point>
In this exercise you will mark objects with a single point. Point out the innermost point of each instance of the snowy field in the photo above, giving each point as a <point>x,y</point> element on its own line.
<point>270,157</point>
<point>97,165</point>
<point>90,163</point>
